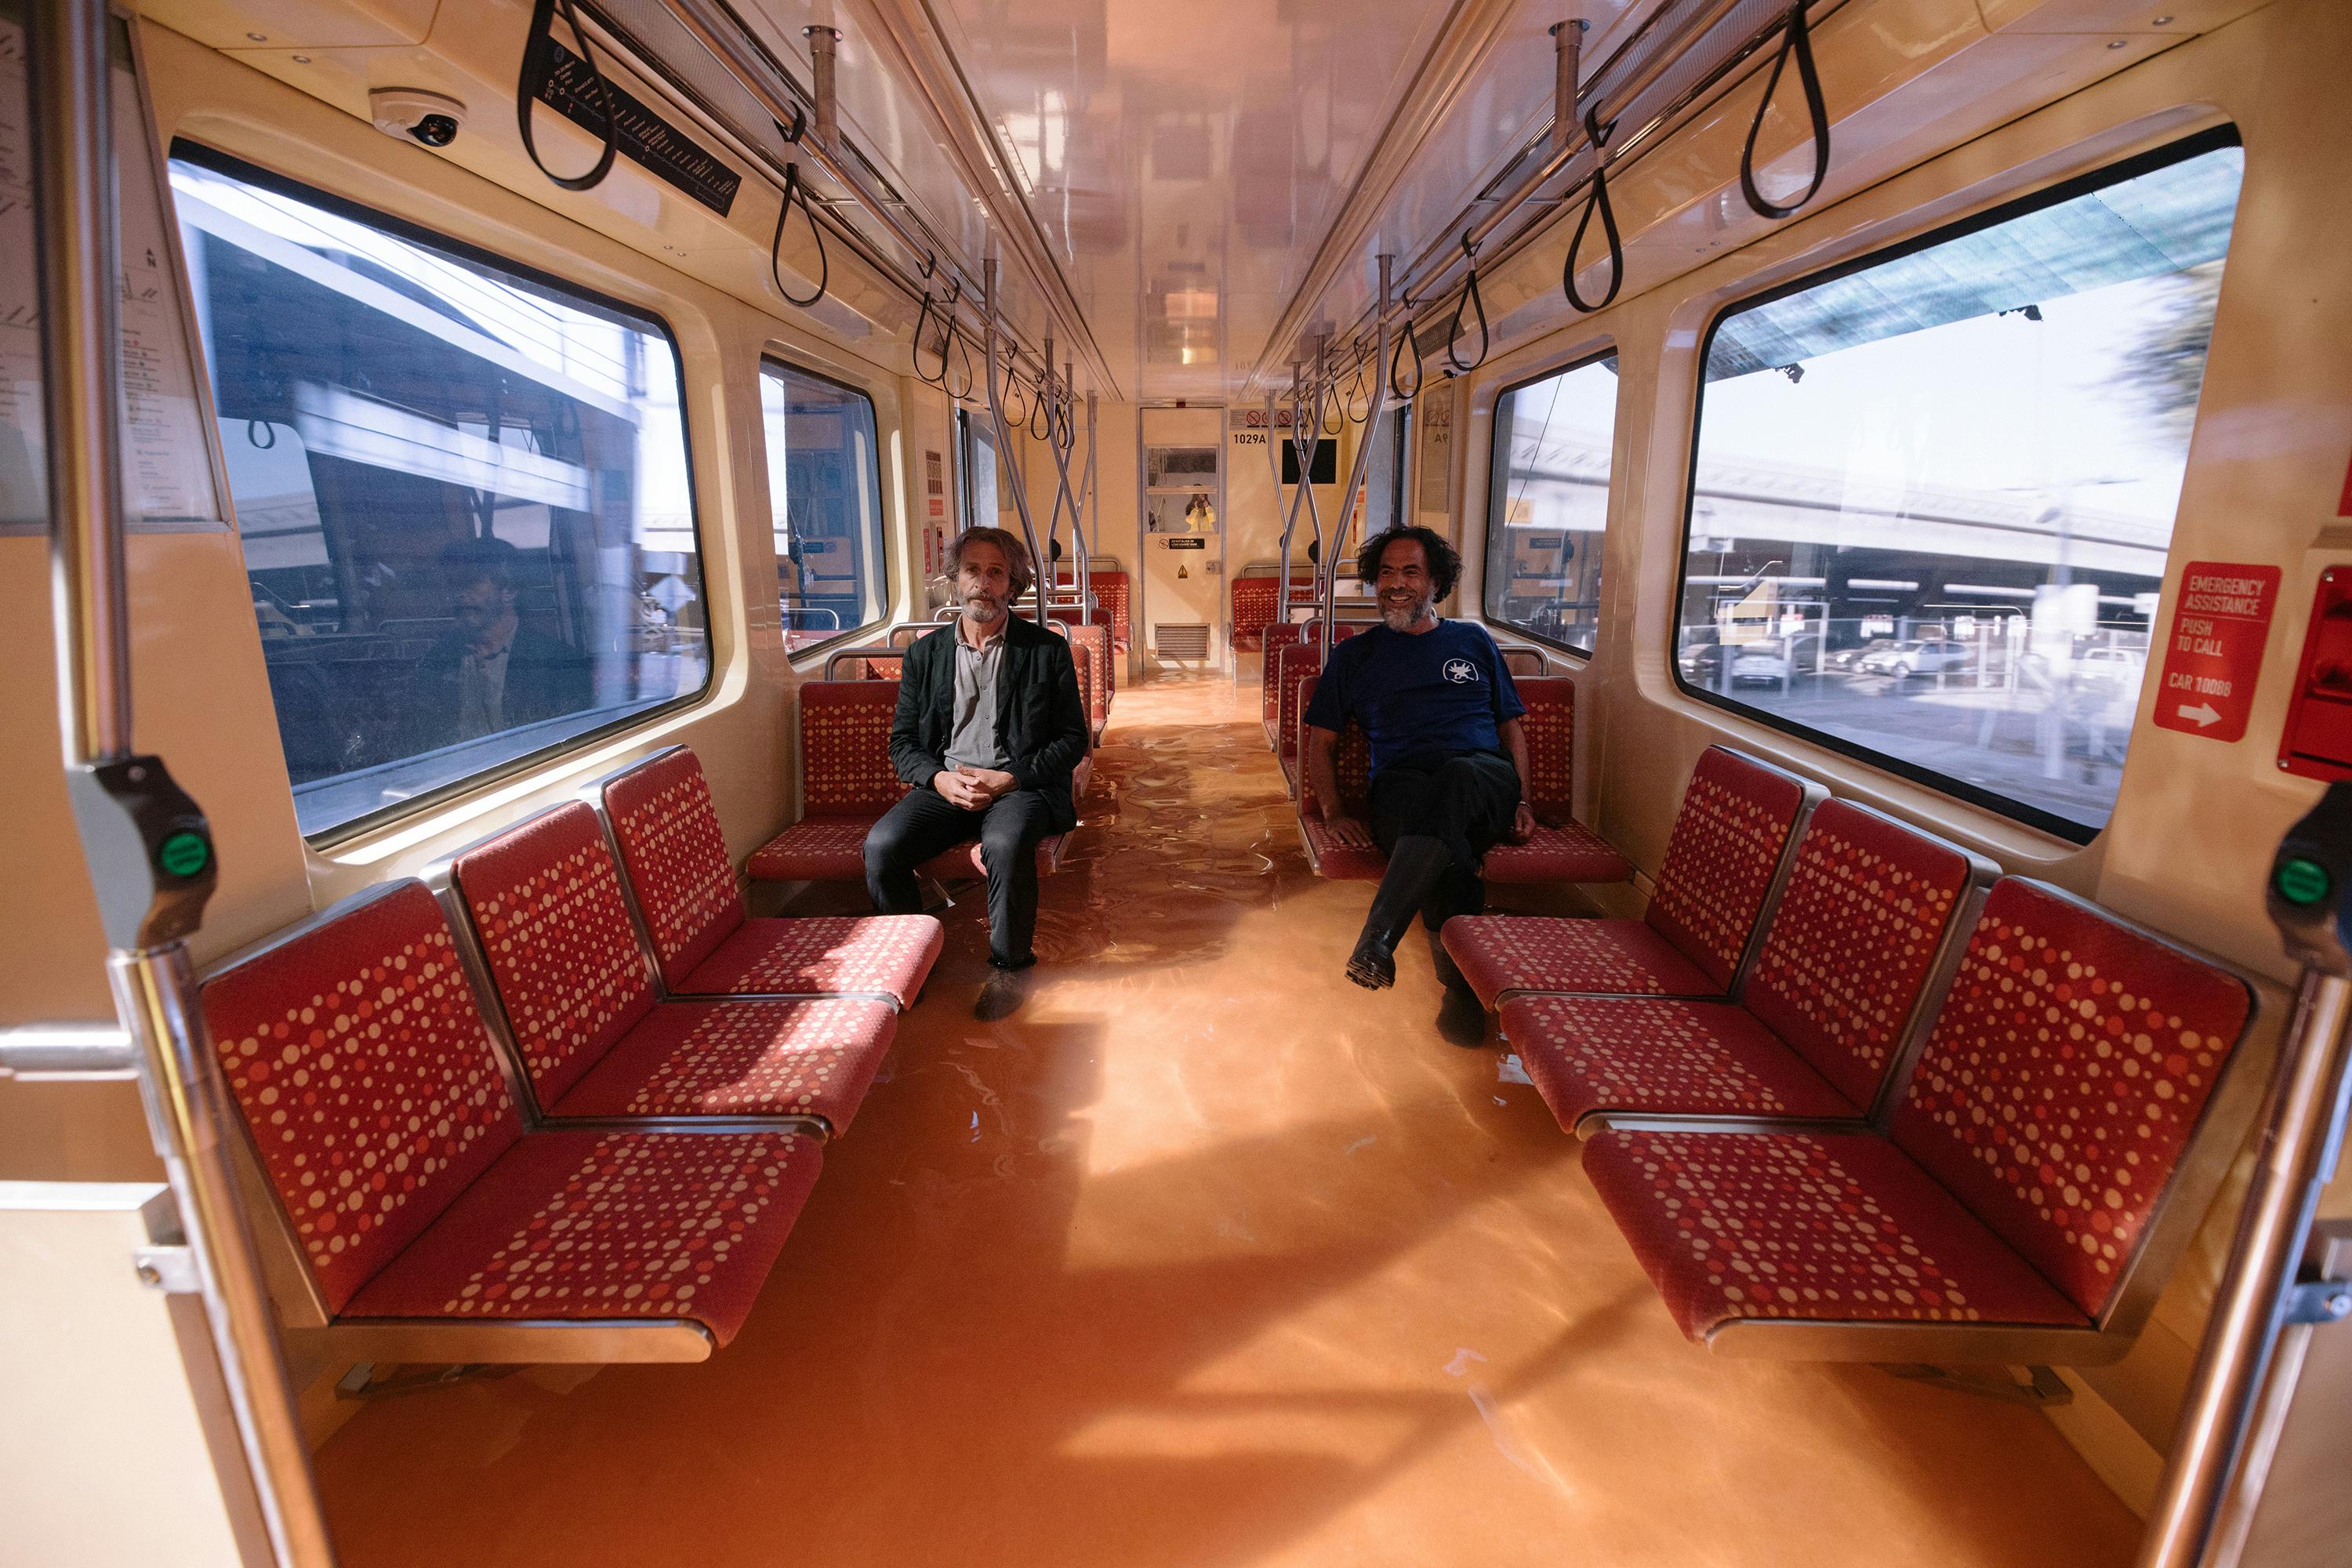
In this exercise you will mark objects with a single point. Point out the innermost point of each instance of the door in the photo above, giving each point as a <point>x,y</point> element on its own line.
<point>1183,509</point>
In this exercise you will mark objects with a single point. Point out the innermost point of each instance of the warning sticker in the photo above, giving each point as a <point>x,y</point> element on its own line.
<point>2214,651</point>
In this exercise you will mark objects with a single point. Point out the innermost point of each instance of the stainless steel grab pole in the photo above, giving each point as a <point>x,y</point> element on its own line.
<point>1005,453</point>
<point>1360,466</point>
<point>149,848</point>
<point>2302,1131</point>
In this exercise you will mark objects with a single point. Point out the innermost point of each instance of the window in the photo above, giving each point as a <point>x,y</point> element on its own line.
<point>825,494</point>
<point>463,492</point>
<point>981,498</point>
<point>1932,494</point>
<point>1548,502</point>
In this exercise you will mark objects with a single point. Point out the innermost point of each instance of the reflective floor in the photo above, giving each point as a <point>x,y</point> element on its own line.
<point>1206,1257</point>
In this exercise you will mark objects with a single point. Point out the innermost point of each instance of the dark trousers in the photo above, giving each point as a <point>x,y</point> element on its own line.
<point>1465,801</point>
<point>924,824</point>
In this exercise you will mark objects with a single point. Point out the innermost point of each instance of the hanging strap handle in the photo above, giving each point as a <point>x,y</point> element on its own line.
<point>1600,135</point>
<point>794,186</point>
<point>1471,300</point>
<point>1797,39</point>
<point>1360,383</point>
<point>1405,339</point>
<point>538,69</point>
<point>915,349</point>
<point>963,347</point>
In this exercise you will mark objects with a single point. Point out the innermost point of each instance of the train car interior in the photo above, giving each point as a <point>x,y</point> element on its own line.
<point>592,975</point>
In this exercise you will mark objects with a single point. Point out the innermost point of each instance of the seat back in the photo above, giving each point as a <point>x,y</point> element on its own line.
<point>1111,592</point>
<point>1729,839</point>
<point>1353,763</point>
<point>845,748</point>
<point>1853,940</point>
<point>362,1067</point>
<point>1091,631</point>
<point>1278,636</point>
<point>1294,665</point>
<point>675,858</point>
<point>1549,726</point>
<point>1256,604</point>
<point>2072,1060</point>
<point>544,899</point>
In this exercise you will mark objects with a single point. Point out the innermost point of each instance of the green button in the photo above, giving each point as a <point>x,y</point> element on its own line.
<point>2301,881</point>
<point>184,854</point>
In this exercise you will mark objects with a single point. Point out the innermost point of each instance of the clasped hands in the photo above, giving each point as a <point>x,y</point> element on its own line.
<point>973,789</point>
<point>1350,834</point>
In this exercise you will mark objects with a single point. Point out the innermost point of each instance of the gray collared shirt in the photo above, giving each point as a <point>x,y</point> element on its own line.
<point>973,742</point>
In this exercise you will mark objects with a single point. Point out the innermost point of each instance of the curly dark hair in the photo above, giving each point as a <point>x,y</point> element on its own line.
<point>1444,560</point>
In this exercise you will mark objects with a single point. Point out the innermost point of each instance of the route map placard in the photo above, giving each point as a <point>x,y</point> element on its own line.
<point>2214,651</point>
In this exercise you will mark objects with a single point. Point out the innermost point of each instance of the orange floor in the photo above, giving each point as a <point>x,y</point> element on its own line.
<point>1206,1257</point>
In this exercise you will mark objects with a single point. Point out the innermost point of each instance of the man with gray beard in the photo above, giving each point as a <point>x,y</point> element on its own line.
<point>1449,753</point>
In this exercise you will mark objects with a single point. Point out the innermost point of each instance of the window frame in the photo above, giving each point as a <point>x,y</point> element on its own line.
<point>2212,140</point>
<point>185,149</point>
<point>884,557</point>
<point>1497,464</point>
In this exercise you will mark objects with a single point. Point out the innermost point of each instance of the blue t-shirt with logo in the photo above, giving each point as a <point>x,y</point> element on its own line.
<point>1434,693</point>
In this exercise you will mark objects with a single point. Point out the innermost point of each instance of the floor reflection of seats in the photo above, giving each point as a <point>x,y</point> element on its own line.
<point>1206,1257</point>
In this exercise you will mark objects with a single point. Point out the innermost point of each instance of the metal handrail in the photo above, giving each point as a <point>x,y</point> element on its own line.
<point>866,651</point>
<point>1361,465</point>
<point>67,1051</point>
<point>1006,453</point>
<point>147,846</point>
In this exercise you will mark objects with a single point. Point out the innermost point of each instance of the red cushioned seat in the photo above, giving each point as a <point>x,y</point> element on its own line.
<point>676,864</point>
<point>2071,1063</point>
<point>1842,1226</point>
<point>1731,834</point>
<point>609,1225</point>
<point>357,1057</point>
<point>848,783</point>
<point>544,899</point>
<point>1502,955</point>
<point>1091,648</point>
<point>1563,852</point>
<point>1662,1056</point>
<point>1111,595</point>
<point>1820,1023</point>
<point>808,1056</point>
<point>1254,609</point>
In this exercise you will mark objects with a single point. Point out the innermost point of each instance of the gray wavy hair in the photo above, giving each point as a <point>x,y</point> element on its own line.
<point>1016,554</point>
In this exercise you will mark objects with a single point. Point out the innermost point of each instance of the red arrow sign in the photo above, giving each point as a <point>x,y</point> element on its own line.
<point>2221,619</point>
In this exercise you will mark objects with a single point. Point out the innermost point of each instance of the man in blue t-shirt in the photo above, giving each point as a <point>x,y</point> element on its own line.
<point>1449,753</point>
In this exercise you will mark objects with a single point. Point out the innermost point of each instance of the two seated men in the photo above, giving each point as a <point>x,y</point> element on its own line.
<point>990,728</point>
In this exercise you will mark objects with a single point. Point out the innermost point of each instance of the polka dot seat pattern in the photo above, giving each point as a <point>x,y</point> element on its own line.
<point>1587,1054</point>
<point>1563,849</point>
<point>824,955</point>
<point>1853,940</point>
<point>545,901</point>
<point>1328,857</point>
<point>1729,836</point>
<point>815,849</point>
<point>676,864</point>
<point>367,1076</point>
<point>1111,592</point>
<point>815,1056</point>
<point>1277,637</point>
<point>609,1225</point>
<point>1823,1227</point>
<point>1090,652</point>
<point>2068,1066</point>
<point>1563,852</point>
<point>1500,955</point>
<point>1254,607</point>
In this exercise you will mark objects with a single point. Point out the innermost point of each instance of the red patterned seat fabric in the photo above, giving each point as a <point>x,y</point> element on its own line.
<point>814,1057</point>
<point>609,1225</point>
<point>1090,650</point>
<point>1666,1056</point>
<point>815,849</point>
<point>2069,1065</point>
<point>1851,943</point>
<point>1327,857</point>
<point>367,1078</point>
<point>378,999</point>
<point>825,956</point>
<point>1500,955</point>
<point>677,865</point>
<point>1825,1226</point>
<point>1255,608</point>
<point>1276,636</point>
<point>545,898</point>
<point>1729,836</point>
<point>1111,592</point>
<point>1569,852</point>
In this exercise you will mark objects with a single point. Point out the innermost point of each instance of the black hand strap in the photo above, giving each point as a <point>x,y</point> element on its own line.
<point>795,187</point>
<point>1470,300</point>
<point>1405,339</point>
<point>1599,198</point>
<point>1794,39</point>
<point>538,67</point>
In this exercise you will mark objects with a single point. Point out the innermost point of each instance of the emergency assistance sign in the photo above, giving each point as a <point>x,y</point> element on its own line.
<point>2214,651</point>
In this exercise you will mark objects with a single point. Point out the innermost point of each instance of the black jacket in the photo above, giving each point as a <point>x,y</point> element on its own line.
<point>1040,723</point>
<point>545,679</point>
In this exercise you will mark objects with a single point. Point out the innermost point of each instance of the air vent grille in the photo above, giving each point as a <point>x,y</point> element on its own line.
<point>1180,639</point>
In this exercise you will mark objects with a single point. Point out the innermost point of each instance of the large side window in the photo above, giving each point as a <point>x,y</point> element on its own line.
<point>1932,494</point>
<point>462,489</point>
<point>1549,502</point>
<point>824,493</point>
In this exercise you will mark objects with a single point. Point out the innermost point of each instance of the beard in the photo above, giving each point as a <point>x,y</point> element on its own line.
<point>983,608</point>
<point>1403,615</point>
